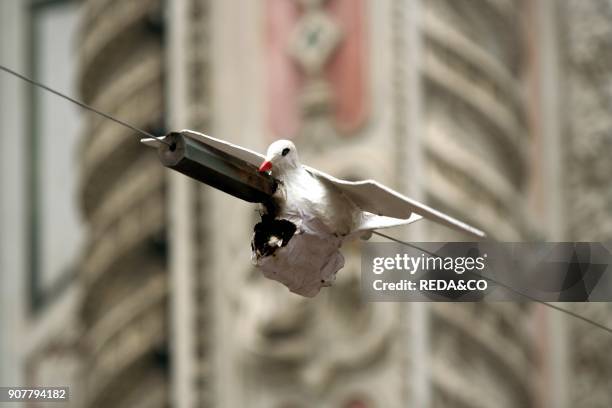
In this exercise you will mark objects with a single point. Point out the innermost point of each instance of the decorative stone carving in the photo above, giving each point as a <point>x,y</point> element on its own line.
<point>313,335</point>
<point>314,39</point>
<point>317,66</point>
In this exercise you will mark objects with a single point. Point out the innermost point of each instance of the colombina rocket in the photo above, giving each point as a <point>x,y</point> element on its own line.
<point>311,214</point>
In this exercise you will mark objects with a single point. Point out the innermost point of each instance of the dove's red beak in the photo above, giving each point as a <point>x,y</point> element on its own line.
<point>265,166</point>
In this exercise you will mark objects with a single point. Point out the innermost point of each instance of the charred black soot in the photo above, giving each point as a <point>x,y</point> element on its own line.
<point>271,234</point>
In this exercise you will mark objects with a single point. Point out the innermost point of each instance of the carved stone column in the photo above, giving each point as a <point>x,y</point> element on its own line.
<point>475,168</point>
<point>587,168</point>
<point>122,186</point>
<point>188,60</point>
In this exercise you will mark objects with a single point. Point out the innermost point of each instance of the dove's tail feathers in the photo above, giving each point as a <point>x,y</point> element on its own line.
<point>370,222</point>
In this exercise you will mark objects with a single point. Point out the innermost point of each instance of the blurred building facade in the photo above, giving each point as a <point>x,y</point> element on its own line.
<point>494,111</point>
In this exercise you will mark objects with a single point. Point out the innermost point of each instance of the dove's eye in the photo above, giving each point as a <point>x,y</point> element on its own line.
<point>285,151</point>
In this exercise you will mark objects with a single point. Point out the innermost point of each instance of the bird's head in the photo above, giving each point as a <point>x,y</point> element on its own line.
<point>280,158</point>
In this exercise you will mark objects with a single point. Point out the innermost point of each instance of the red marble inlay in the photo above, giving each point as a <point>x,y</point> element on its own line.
<point>284,78</point>
<point>346,71</point>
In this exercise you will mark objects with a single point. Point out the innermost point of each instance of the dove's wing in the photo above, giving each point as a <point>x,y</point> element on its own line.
<point>378,199</point>
<point>230,148</point>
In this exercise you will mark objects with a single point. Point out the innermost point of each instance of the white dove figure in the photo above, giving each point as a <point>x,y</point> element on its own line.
<point>298,240</point>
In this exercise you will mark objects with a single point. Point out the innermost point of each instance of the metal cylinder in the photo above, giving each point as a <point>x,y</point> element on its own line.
<point>216,168</point>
